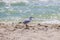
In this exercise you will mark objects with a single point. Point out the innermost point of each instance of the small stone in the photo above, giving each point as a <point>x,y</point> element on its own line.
<point>46,26</point>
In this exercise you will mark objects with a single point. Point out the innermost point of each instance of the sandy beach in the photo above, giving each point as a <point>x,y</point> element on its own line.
<point>40,31</point>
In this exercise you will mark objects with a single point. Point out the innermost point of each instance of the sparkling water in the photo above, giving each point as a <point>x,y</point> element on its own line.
<point>40,10</point>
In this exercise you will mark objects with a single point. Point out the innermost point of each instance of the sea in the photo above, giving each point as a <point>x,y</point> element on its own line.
<point>40,10</point>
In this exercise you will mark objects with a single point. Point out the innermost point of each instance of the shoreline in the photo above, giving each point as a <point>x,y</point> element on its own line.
<point>37,24</point>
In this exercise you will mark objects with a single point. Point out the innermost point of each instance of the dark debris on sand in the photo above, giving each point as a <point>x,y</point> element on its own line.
<point>20,25</point>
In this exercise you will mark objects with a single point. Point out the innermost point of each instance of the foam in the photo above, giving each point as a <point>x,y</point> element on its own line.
<point>52,22</point>
<point>44,0</point>
<point>15,1</point>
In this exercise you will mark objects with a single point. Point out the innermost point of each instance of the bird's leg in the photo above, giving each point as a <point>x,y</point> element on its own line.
<point>27,26</point>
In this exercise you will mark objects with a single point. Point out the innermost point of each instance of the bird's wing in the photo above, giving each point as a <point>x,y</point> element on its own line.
<point>27,21</point>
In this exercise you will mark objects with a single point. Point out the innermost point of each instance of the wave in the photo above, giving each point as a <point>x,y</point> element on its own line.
<point>52,22</point>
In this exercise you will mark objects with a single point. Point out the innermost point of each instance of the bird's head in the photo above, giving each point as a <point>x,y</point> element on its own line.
<point>31,18</point>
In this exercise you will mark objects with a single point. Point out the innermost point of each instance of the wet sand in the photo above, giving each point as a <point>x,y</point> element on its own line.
<point>37,31</point>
